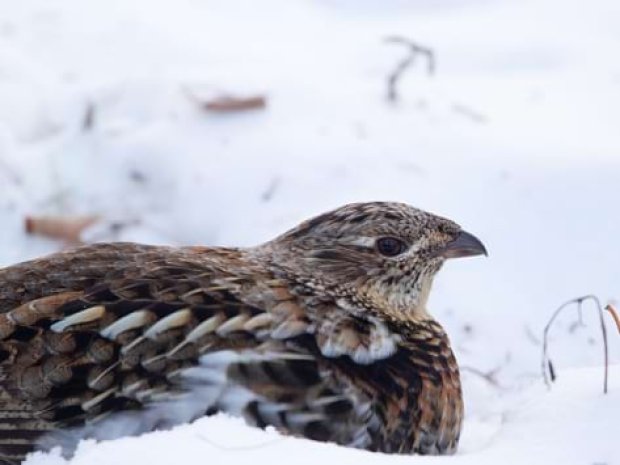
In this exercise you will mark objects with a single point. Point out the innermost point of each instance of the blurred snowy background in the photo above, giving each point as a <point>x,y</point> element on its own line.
<point>515,136</point>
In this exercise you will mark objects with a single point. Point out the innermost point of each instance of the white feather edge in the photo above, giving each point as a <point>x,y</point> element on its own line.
<point>204,386</point>
<point>382,345</point>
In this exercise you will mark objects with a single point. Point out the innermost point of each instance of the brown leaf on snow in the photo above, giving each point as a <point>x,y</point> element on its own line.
<point>66,228</point>
<point>232,104</point>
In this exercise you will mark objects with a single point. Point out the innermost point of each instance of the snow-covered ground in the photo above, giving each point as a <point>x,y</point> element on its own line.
<point>572,425</point>
<point>516,137</point>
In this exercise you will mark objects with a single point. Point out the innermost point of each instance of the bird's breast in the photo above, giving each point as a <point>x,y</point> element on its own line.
<point>416,395</point>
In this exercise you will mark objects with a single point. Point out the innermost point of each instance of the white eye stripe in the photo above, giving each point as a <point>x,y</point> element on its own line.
<point>363,241</point>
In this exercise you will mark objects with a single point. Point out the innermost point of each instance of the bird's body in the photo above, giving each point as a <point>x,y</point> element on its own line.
<point>315,333</point>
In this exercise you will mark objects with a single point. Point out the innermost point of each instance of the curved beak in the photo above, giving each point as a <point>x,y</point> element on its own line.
<point>465,245</point>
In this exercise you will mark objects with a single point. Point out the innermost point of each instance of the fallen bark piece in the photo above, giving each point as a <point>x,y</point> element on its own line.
<point>66,228</point>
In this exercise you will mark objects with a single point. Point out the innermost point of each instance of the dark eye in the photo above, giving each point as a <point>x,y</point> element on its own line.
<point>390,246</point>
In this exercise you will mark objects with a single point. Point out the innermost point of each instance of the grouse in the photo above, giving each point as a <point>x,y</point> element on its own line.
<point>322,333</point>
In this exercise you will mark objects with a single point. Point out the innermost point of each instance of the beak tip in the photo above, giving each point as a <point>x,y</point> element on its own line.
<point>484,250</point>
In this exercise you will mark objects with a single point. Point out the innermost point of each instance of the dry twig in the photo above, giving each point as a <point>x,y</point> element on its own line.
<point>271,189</point>
<point>469,113</point>
<point>66,228</point>
<point>415,50</point>
<point>88,120</point>
<point>489,377</point>
<point>548,370</point>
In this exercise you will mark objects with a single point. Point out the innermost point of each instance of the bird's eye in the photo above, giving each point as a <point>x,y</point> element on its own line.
<point>390,246</point>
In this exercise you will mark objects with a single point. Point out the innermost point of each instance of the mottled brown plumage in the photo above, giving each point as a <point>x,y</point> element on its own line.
<point>322,332</point>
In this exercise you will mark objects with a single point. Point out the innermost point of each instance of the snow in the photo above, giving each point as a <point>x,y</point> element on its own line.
<point>547,428</point>
<point>515,137</point>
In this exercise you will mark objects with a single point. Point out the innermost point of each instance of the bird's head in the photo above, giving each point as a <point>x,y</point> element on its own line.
<point>378,256</point>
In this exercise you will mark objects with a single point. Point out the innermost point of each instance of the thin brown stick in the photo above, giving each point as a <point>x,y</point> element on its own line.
<point>547,367</point>
<point>228,103</point>
<point>614,314</point>
<point>415,50</point>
